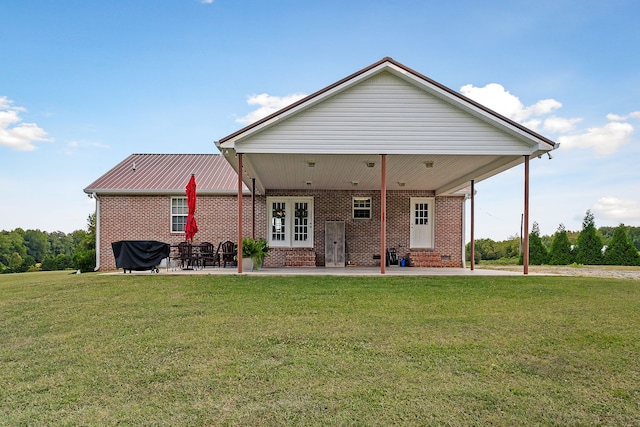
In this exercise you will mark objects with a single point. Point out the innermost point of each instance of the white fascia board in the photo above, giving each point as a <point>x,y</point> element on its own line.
<point>459,102</point>
<point>388,149</point>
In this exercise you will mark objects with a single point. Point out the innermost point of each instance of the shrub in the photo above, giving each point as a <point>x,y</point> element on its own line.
<point>589,251</point>
<point>620,250</point>
<point>560,253</point>
<point>85,261</point>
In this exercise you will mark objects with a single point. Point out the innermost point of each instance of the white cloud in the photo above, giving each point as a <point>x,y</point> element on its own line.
<point>619,210</point>
<point>267,104</point>
<point>500,100</point>
<point>14,134</point>
<point>206,1</point>
<point>533,124</point>
<point>618,118</point>
<point>559,124</point>
<point>604,140</point>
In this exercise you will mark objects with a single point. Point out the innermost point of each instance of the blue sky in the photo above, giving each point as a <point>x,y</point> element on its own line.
<point>83,84</point>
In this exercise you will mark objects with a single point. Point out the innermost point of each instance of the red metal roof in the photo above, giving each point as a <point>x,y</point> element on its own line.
<point>167,174</point>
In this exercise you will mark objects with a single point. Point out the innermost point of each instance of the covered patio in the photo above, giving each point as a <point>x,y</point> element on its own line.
<point>385,130</point>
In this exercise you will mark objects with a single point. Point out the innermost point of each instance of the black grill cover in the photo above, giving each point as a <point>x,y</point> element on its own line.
<point>139,254</point>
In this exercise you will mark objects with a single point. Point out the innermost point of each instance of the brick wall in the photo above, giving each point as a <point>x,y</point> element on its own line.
<point>363,235</point>
<point>149,218</point>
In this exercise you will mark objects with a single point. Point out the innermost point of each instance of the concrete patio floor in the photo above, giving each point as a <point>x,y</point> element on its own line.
<point>324,271</point>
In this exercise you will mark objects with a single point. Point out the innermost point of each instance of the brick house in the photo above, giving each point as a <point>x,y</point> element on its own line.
<point>380,159</point>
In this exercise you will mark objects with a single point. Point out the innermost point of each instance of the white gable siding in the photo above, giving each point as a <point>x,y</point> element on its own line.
<point>383,114</point>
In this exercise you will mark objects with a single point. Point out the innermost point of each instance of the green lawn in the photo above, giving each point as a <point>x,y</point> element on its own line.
<point>254,350</point>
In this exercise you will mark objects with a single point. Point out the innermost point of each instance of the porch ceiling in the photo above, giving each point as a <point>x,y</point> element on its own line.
<point>443,174</point>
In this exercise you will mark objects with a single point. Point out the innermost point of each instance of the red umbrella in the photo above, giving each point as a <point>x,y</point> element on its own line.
<point>191,227</point>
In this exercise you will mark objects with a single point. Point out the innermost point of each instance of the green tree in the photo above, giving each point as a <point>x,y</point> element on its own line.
<point>37,244</point>
<point>589,250</point>
<point>84,257</point>
<point>538,254</point>
<point>486,248</point>
<point>620,250</point>
<point>11,244</point>
<point>561,253</point>
<point>633,234</point>
<point>61,243</point>
<point>15,262</point>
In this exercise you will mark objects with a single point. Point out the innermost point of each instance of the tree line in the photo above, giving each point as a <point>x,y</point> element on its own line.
<point>34,250</point>
<point>590,246</point>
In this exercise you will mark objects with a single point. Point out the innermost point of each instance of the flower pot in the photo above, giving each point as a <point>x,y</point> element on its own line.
<point>247,264</point>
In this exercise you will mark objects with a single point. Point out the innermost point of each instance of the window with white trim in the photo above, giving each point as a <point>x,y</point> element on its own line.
<point>179,211</point>
<point>290,221</point>
<point>362,208</point>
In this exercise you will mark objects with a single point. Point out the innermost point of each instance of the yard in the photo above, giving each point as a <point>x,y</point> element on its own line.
<point>150,349</point>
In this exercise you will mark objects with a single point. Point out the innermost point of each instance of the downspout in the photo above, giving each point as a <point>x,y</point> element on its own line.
<point>95,196</point>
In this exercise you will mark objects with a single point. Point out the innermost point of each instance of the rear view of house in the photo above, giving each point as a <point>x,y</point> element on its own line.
<point>380,160</point>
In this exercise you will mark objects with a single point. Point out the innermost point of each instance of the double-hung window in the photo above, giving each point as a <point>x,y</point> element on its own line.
<point>179,211</point>
<point>290,221</point>
<point>362,207</point>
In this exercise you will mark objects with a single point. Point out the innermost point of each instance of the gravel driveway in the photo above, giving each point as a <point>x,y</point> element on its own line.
<point>617,272</point>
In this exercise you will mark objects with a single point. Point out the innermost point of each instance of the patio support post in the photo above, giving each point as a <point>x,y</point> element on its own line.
<point>383,214</point>
<point>253,208</point>
<point>239,256</point>
<point>525,249</point>
<point>473,224</point>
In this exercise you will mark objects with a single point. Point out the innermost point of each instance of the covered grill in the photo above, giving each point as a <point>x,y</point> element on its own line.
<point>140,254</point>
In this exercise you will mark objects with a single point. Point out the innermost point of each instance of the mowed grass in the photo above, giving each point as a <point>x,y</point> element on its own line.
<point>151,349</point>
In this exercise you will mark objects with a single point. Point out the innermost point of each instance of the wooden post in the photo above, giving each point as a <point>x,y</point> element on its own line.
<point>383,215</point>
<point>473,241</point>
<point>239,257</point>
<point>253,208</point>
<point>525,249</point>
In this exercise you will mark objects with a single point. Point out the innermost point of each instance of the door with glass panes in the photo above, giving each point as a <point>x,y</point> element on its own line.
<point>290,222</point>
<point>422,222</point>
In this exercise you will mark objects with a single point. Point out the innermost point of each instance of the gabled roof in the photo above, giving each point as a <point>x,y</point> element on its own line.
<point>435,138</point>
<point>167,174</point>
<point>389,64</point>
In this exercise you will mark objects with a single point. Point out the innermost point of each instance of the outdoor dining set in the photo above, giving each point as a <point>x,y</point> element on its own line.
<point>192,256</point>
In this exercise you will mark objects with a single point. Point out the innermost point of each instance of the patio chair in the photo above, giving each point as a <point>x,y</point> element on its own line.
<point>392,257</point>
<point>208,256</point>
<point>187,257</point>
<point>229,253</point>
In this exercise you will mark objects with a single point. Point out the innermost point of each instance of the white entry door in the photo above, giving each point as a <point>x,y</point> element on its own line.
<point>422,220</point>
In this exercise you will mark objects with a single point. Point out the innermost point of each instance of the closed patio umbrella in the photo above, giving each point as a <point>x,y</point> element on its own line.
<point>191,227</point>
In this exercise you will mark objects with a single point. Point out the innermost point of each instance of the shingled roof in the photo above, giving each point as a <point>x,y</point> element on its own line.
<point>167,174</point>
